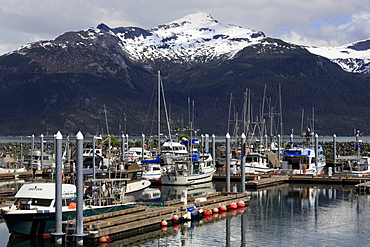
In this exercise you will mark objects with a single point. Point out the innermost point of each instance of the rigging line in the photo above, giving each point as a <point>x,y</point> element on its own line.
<point>106,120</point>
<point>149,110</point>
<point>228,120</point>
<point>165,110</point>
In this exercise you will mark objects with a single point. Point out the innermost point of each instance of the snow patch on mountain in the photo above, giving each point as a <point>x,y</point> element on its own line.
<point>354,57</point>
<point>195,37</point>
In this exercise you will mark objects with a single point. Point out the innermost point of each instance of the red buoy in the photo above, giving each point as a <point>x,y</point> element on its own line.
<point>107,237</point>
<point>103,239</point>
<point>233,205</point>
<point>207,212</point>
<point>175,217</point>
<point>223,208</point>
<point>241,204</point>
<point>163,223</point>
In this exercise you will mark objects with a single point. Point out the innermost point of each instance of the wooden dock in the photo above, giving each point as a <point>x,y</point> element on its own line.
<point>15,175</point>
<point>147,216</point>
<point>266,180</point>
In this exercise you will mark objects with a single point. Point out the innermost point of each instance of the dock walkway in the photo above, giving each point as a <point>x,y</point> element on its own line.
<point>265,182</point>
<point>147,216</point>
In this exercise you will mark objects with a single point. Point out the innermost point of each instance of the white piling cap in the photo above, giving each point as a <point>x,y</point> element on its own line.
<point>227,135</point>
<point>79,136</point>
<point>243,135</point>
<point>58,135</point>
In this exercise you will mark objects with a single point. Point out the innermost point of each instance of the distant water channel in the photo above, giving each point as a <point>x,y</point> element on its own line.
<point>284,215</point>
<point>27,139</point>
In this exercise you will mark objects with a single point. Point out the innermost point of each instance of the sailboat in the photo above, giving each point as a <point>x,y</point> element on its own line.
<point>183,167</point>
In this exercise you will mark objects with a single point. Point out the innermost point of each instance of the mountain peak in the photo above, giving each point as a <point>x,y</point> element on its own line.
<point>196,18</point>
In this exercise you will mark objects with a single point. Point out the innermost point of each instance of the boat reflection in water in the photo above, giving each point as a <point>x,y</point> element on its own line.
<point>169,193</point>
<point>282,215</point>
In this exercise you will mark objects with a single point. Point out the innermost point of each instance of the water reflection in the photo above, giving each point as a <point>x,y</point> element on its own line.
<point>284,215</point>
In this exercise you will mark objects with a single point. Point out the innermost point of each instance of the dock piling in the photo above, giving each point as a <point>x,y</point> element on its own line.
<point>228,162</point>
<point>58,234</point>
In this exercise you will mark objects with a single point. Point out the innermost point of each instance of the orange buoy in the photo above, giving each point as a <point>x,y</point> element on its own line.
<point>107,237</point>
<point>103,239</point>
<point>175,217</point>
<point>163,223</point>
<point>215,210</point>
<point>72,205</point>
<point>223,208</point>
<point>207,212</point>
<point>233,205</point>
<point>241,204</point>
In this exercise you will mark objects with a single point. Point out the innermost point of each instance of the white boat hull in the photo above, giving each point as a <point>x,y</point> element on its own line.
<point>169,179</point>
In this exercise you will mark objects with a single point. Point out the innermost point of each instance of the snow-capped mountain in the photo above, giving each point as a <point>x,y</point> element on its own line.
<point>192,39</point>
<point>354,57</point>
<point>195,37</point>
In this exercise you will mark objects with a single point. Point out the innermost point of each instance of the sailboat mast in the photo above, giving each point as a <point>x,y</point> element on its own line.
<point>159,111</point>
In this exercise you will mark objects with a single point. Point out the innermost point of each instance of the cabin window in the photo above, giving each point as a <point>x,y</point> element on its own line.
<point>41,202</point>
<point>22,201</point>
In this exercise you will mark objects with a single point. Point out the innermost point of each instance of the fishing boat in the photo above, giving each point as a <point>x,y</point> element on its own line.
<point>352,165</point>
<point>135,154</point>
<point>256,163</point>
<point>152,171</point>
<point>33,211</point>
<point>302,159</point>
<point>37,160</point>
<point>134,176</point>
<point>9,164</point>
<point>187,170</point>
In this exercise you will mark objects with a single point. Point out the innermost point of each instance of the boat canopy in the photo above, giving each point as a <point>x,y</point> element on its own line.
<point>155,161</point>
<point>44,190</point>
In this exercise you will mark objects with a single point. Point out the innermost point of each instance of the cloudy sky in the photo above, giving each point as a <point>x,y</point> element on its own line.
<point>311,22</point>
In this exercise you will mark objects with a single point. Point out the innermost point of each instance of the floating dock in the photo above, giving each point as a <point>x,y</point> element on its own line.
<point>266,182</point>
<point>148,216</point>
<point>15,175</point>
<point>257,181</point>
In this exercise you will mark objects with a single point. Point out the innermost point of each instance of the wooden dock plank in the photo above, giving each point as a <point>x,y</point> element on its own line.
<point>122,219</point>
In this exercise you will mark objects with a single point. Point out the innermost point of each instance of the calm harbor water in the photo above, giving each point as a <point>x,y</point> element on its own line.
<point>284,215</point>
